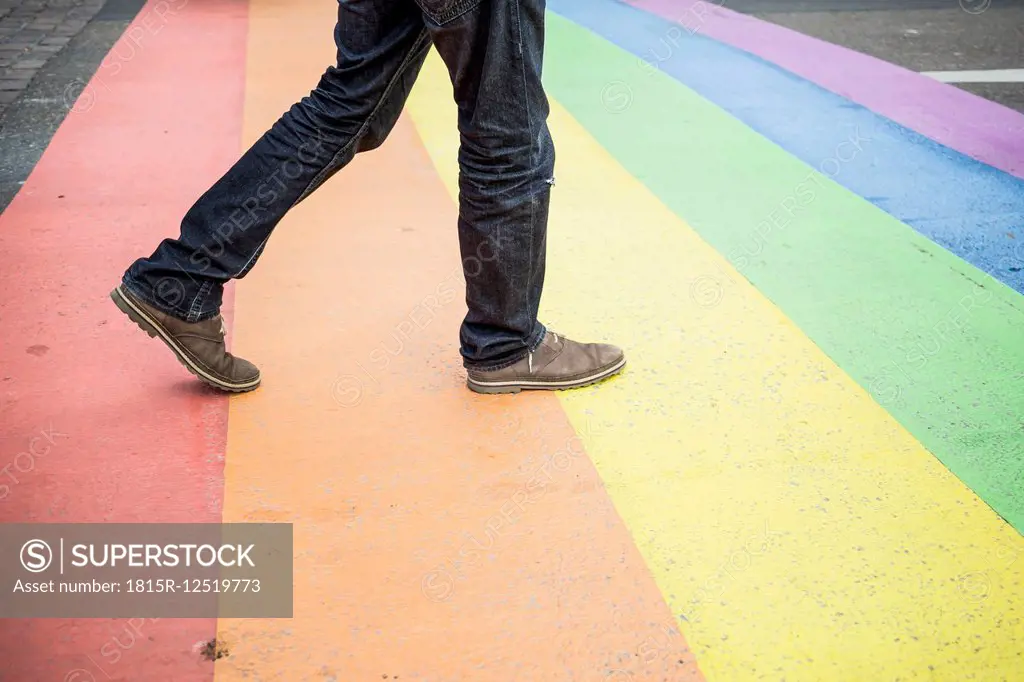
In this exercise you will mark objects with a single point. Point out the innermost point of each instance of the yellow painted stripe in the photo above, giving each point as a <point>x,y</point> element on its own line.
<point>802,533</point>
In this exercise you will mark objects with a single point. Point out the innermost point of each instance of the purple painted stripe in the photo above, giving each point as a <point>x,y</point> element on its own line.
<point>971,125</point>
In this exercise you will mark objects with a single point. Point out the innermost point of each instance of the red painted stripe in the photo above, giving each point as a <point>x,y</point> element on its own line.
<point>134,437</point>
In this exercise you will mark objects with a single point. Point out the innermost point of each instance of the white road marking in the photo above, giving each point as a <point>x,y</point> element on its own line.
<point>990,76</point>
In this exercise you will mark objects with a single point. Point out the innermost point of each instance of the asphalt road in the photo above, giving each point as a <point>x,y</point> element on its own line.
<point>921,35</point>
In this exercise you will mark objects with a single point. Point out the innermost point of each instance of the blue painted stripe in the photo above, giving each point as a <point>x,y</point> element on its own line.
<point>973,210</point>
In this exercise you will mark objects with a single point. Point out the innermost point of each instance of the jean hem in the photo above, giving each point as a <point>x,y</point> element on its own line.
<point>138,292</point>
<point>536,338</point>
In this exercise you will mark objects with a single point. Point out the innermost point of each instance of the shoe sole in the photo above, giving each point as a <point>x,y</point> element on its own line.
<point>156,330</point>
<point>517,385</point>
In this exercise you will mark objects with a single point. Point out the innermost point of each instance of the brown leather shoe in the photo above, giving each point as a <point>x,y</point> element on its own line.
<point>198,345</point>
<point>558,363</point>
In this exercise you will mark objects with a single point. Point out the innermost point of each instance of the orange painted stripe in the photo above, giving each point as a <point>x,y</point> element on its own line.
<point>439,535</point>
<point>135,439</point>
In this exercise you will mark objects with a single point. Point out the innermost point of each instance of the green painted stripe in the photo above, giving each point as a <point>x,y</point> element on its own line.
<point>936,341</point>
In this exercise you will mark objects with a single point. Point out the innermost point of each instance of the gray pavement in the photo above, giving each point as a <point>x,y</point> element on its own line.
<point>48,49</point>
<point>31,33</point>
<point>921,35</point>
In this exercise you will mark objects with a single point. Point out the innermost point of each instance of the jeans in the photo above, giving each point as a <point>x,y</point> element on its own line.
<point>493,50</point>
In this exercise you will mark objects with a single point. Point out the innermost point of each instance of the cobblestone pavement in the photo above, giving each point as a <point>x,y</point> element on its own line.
<point>33,31</point>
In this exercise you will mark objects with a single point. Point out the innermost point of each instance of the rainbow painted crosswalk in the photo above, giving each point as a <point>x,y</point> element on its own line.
<point>812,468</point>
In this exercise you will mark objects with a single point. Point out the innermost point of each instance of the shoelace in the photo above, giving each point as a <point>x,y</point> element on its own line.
<point>529,358</point>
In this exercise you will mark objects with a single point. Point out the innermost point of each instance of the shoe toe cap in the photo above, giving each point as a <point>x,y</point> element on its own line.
<point>607,354</point>
<point>243,371</point>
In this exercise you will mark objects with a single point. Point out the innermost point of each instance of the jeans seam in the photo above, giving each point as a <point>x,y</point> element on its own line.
<point>366,123</point>
<point>543,331</point>
<point>195,309</point>
<point>255,254</point>
<point>534,151</point>
<point>454,11</point>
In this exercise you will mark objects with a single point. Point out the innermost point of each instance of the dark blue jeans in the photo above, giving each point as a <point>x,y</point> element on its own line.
<point>493,50</point>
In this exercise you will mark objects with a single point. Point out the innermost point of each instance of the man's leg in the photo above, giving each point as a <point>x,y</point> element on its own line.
<point>381,47</point>
<point>494,53</point>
